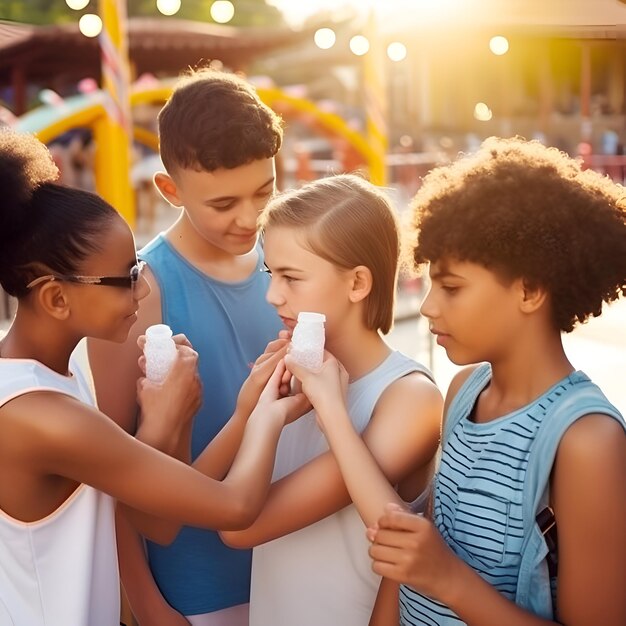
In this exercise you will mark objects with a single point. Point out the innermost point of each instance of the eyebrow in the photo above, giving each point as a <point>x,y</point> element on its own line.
<point>445,274</point>
<point>224,198</point>
<point>282,270</point>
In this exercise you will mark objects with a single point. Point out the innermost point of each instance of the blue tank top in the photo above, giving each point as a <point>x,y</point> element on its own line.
<point>229,324</point>
<point>490,483</point>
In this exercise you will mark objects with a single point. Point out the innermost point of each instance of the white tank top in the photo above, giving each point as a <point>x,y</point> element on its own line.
<point>321,575</point>
<point>60,570</point>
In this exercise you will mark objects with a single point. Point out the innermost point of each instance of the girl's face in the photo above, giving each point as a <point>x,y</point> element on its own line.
<point>303,281</point>
<point>106,311</point>
<point>473,314</point>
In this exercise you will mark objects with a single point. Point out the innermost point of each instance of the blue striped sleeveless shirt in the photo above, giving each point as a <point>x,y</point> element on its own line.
<point>483,505</point>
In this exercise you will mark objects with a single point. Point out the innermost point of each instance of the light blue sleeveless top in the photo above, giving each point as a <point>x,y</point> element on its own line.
<point>492,482</point>
<point>229,324</point>
<point>321,575</point>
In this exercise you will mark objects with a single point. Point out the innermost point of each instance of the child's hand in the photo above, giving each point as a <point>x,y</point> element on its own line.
<point>177,399</point>
<point>179,340</point>
<point>409,549</point>
<point>327,385</point>
<point>274,404</point>
<point>260,374</point>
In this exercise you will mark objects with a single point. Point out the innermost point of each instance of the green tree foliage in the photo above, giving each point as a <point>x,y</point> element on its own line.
<point>247,12</point>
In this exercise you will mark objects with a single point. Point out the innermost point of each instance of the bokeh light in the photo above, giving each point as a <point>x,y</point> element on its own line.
<point>77,5</point>
<point>359,45</point>
<point>168,7</point>
<point>482,112</point>
<point>499,45</point>
<point>222,11</point>
<point>396,51</point>
<point>324,38</point>
<point>90,25</point>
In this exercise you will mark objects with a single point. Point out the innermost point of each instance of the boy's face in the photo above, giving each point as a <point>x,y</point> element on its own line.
<point>222,206</point>
<point>474,315</point>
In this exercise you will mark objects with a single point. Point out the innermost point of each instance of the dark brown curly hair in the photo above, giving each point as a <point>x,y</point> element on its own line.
<point>526,211</point>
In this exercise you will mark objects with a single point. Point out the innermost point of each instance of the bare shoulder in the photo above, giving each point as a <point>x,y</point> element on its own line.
<point>40,423</point>
<point>414,391</point>
<point>593,439</point>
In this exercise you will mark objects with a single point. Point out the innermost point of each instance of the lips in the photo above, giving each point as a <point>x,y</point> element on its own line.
<point>244,236</point>
<point>289,322</point>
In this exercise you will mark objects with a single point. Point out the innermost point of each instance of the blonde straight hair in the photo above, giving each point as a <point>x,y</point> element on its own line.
<point>348,222</point>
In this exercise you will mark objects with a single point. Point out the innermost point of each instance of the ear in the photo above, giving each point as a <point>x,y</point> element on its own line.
<point>532,296</point>
<point>53,300</point>
<point>360,283</point>
<point>167,188</point>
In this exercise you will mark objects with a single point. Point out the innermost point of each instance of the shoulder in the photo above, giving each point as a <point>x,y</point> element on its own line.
<point>592,437</point>
<point>409,395</point>
<point>39,422</point>
<point>457,383</point>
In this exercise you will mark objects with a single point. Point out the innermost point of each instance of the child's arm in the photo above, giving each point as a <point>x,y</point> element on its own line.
<point>218,456</point>
<point>79,443</point>
<point>386,608</point>
<point>589,500</point>
<point>402,437</point>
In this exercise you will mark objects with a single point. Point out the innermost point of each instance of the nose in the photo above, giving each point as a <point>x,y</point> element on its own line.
<point>273,295</point>
<point>428,308</point>
<point>248,216</point>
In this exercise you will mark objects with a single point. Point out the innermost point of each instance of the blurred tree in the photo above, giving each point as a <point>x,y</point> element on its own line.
<point>247,12</point>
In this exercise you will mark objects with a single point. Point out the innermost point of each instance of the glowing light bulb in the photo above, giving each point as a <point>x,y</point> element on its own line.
<point>168,7</point>
<point>324,38</point>
<point>499,45</point>
<point>482,112</point>
<point>396,51</point>
<point>90,25</point>
<point>359,45</point>
<point>77,5</point>
<point>222,11</point>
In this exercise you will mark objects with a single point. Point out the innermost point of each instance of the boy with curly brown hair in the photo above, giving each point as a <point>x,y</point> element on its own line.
<point>522,245</point>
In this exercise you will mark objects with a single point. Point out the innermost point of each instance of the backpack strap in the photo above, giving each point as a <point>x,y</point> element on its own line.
<point>583,398</point>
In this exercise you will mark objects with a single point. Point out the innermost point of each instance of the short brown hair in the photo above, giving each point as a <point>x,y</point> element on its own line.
<point>349,222</point>
<point>216,120</point>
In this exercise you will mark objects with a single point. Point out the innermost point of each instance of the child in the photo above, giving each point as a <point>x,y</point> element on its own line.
<point>69,258</point>
<point>522,245</point>
<point>332,247</point>
<point>217,142</point>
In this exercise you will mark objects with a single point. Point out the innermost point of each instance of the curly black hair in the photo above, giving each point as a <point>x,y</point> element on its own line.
<point>44,226</point>
<point>526,211</point>
<point>215,119</point>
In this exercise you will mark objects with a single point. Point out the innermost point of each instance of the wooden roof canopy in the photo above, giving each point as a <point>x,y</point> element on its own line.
<point>156,45</point>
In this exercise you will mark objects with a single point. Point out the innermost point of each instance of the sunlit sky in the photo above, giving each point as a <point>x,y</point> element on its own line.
<point>512,11</point>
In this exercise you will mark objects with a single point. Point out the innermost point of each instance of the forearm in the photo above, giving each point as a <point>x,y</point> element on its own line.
<point>477,603</point>
<point>143,595</point>
<point>386,609</point>
<point>367,484</point>
<point>250,475</point>
<point>217,458</point>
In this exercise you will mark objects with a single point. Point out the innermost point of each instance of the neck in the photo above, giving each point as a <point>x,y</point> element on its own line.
<point>359,350</point>
<point>532,365</point>
<point>211,260</point>
<point>30,338</point>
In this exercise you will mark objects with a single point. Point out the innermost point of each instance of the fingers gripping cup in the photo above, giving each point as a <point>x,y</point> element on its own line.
<point>307,341</point>
<point>160,352</point>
